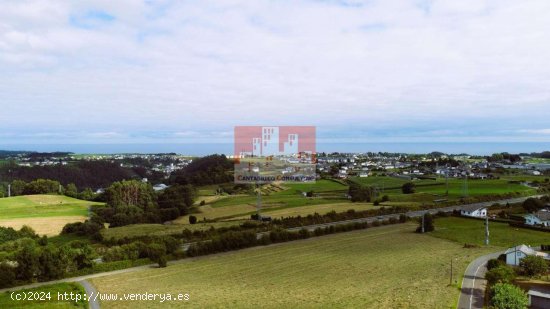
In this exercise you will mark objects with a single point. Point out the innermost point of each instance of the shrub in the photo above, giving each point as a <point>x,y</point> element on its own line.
<point>507,296</point>
<point>428,223</point>
<point>408,188</point>
<point>500,274</point>
<point>533,266</point>
<point>7,275</point>
<point>156,253</point>
<point>192,219</point>
<point>494,263</point>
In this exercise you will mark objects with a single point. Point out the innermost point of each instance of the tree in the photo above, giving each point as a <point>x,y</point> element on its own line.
<point>42,186</point>
<point>532,204</point>
<point>51,265</point>
<point>87,194</point>
<point>181,197</point>
<point>71,190</point>
<point>27,260</point>
<point>428,223</point>
<point>408,188</point>
<point>507,296</point>
<point>157,253</point>
<point>7,275</point>
<point>82,254</point>
<point>131,193</point>
<point>533,265</point>
<point>213,169</point>
<point>500,274</point>
<point>18,187</point>
<point>360,193</point>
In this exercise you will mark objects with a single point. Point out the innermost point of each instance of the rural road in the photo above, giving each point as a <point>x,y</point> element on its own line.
<point>472,293</point>
<point>91,292</point>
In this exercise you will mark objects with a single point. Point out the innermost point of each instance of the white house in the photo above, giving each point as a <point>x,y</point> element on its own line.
<point>160,187</point>
<point>515,254</point>
<point>541,217</point>
<point>479,212</point>
<point>364,174</point>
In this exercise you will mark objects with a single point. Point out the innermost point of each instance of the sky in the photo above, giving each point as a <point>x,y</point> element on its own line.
<point>107,72</point>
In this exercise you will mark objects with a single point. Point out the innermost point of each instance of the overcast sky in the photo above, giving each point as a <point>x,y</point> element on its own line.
<point>184,71</point>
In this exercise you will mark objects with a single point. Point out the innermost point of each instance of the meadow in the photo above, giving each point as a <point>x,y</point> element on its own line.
<point>386,267</point>
<point>288,199</point>
<point>54,303</point>
<point>462,230</point>
<point>46,214</point>
<point>134,230</point>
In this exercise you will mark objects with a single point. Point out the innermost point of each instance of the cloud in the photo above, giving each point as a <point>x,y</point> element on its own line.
<point>384,68</point>
<point>536,131</point>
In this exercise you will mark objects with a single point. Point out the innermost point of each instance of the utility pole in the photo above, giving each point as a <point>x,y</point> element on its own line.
<point>259,202</point>
<point>486,230</point>
<point>451,278</point>
<point>447,183</point>
<point>465,185</point>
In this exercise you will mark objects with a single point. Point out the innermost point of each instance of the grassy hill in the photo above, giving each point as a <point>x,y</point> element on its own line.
<point>47,214</point>
<point>387,267</point>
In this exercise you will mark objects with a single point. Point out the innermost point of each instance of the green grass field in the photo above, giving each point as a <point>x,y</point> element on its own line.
<point>46,214</point>
<point>39,206</point>
<point>386,267</point>
<point>135,230</point>
<point>53,302</point>
<point>472,231</point>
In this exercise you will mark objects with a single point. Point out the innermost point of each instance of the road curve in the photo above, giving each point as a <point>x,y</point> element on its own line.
<point>91,294</point>
<point>472,293</point>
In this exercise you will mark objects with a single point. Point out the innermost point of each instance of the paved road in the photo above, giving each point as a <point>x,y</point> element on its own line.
<point>91,293</point>
<point>472,294</point>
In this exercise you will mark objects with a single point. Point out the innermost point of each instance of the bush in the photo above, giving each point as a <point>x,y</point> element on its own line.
<point>500,274</point>
<point>168,214</point>
<point>115,253</point>
<point>156,253</point>
<point>533,266</point>
<point>7,275</point>
<point>507,296</point>
<point>192,219</point>
<point>428,224</point>
<point>162,261</point>
<point>494,263</point>
<point>408,188</point>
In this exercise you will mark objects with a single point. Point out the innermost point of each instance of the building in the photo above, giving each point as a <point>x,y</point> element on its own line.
<point>538,299</point>
<point>160,187</point>
<point>515,254</point>
<point>541,217</point>
<point>475,211</point>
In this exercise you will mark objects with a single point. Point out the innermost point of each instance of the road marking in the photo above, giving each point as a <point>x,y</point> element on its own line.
<point>474,284</point>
